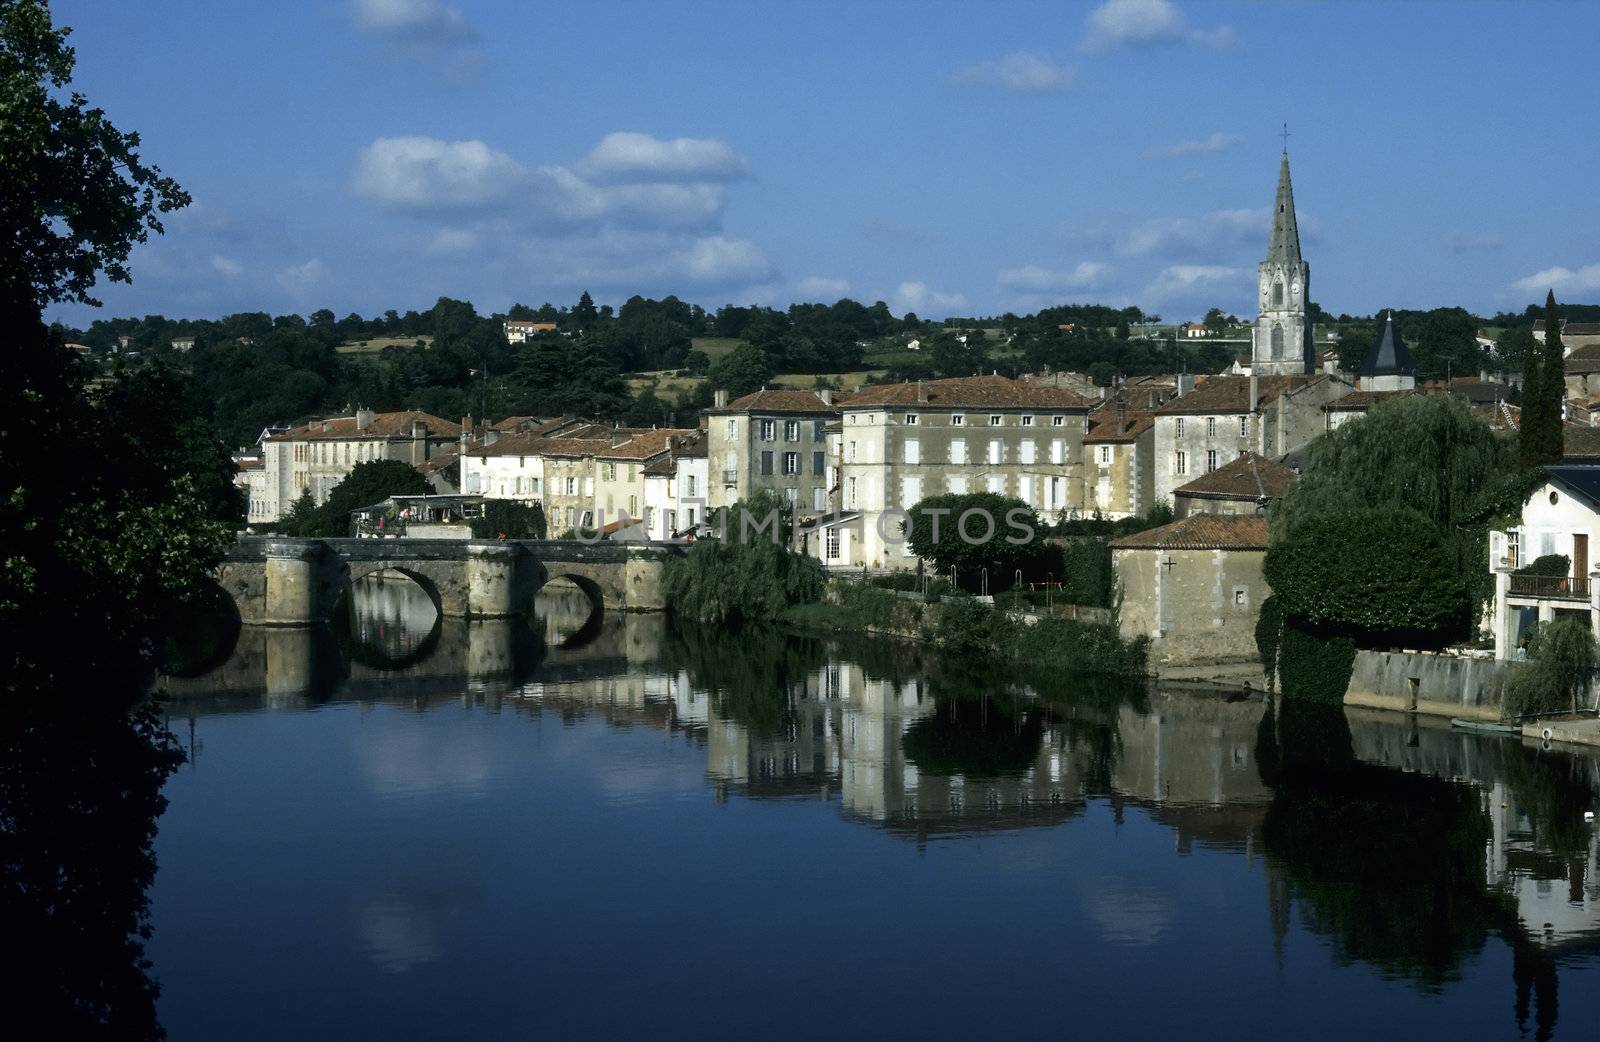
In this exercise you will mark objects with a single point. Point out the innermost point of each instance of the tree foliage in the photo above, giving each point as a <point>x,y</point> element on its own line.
<point>1561,660</point>
<point>1383,576</point>
<point>367,483</point>
<point>977,532</point>
<point>742,577</point>
<point>1423,453</point>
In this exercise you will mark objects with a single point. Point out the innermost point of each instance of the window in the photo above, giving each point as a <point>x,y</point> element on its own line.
<point>831,541</point>
<point>766,461</point>
<point>1027,421</point>
<point>913,451</point>
<point>572,486</point>
<point>1180,463</point>
<point>910,492</point>
<point>689,483</point>
<point>958,451</point>
<point>1513,548</point>
<point>1105,454</point>
<point>1211,460</point>
<point>608,472</point>
<point>1058,421</point>
<point>733,428</point>
<point>768,430</point>
<point>1058,451</point>
<point>791,495</point>
<point>1025,455</point>
<point>1211,426</point>
<point>791,463</point>
<point>1241,597</point>
<point>958,484</point>
<point>994,421</point>
<point>850,452</point>
<point>995,483</point>
<point>957,420</point>
<point>850,498</point>
<point>911,419</point>
<point>817,463</point>
<point>1180,427</point>
<point>996,450</point>
<point>791,430</point>
<point>1244,427</point>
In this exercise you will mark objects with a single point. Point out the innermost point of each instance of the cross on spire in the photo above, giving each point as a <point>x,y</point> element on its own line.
<point>1285,138</point>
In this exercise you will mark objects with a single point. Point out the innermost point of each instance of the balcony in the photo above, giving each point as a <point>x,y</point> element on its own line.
<point>730,477</point>
<point>1550,587</point>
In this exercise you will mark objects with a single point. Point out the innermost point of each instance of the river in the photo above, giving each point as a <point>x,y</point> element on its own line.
<point>577,828</point>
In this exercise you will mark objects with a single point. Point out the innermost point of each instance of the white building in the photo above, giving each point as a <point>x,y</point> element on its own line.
<point>1561,516</point>
<point>675,487</point>
<point>518,331</point>
<point>318,455</point>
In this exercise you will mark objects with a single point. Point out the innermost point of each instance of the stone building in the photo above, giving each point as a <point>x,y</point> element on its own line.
<point>1248,485</point>
<point>900,443</point>
<point>770,440</point>
<point>1574,335</point>
<point>1388,365</point>
<point>1223,416</point>
<point>1561,516</point>
<point>1194,587</point>
<point>1283,342</point>
<point>1119,448</point>
<point>318,455</point>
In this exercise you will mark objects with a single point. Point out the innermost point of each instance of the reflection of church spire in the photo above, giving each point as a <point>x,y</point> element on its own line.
<point>1277,909</point>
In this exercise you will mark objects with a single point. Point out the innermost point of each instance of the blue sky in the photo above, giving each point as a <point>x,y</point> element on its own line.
<point>946,157</point>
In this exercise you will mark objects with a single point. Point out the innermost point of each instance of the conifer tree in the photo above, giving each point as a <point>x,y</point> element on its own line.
<point>1552,383</point>
<point>1530,426</point>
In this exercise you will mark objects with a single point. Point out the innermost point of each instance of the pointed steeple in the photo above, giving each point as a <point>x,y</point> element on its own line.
<point>1389,355</point>
<point>1285,245</point>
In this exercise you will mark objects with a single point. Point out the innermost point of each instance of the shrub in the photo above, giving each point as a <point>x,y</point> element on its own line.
<point>1556,565</point>
<point>1383,577</point>
<point>1010,538</point>
<point>1313,666</point>
<point>516,520</point>
<point>728,582</point>
<point>1269,636</point>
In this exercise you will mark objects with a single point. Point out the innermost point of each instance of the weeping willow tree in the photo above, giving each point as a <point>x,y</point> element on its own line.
<point>1423,453</point>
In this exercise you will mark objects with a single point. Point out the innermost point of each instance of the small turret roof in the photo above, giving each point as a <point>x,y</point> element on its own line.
<point>1389,355</point>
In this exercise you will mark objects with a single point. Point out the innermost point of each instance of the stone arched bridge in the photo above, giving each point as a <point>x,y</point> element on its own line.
<point>299,582</point>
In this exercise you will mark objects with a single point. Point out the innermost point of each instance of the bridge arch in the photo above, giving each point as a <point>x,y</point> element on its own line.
<point>385,633</point>
<point>593,622</point>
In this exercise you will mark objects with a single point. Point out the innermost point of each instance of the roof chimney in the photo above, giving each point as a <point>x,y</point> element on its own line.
<point>922,392</point>
<point>490,436</point>
<point>364,418</point>
<point>672,442</point>
<point>618,438</point>
<point>1253,389</point>
<point>719,399</point>
<point>826,394</point>
<point>1185,384</point>
<point>327,425</point>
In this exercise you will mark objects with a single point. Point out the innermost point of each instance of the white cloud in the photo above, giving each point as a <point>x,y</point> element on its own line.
<point>627,156</point>
<point>817,287</point>
<point>1033,279</point>
<point>716,259</point>
<point>418,20</point>
<point>300,279</point>
<point>425,173</point>
<point>1218,142</point>
<point>225,265</point>
<point>453,240</point>
<point>1218,232</point>
<point>916,296</point>
<point>1021,72</point>
<point>1563,280</point>
<point>1179,281</point>
<point>1146,23</point>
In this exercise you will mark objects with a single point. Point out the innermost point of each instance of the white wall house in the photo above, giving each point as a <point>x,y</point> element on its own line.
<point>1561,516</point>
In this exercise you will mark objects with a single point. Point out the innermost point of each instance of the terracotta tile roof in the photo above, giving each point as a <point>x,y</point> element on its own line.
<point>1571,328</point>
<point>1501,416</point>
<point>1250,477</point>
<point>1106,432</point>
<point>778,402</point>
<point>1201,532</point>
<point>646,444</point>
<point>972,392</point>
<point>1580,443</point>
<point>383,425</point>
<point>444,457</point>
<point>249,463</point>
<point>1131,405</point>
<point>1230,395</point>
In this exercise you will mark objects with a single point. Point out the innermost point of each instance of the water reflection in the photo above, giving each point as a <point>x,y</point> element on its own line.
<point>1400,844</point>
<point>387,620</point>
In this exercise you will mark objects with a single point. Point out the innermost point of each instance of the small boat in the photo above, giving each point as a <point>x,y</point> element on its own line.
<point>1486,726</point>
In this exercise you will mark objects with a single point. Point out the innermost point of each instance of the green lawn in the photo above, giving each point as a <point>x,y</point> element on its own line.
<point>362,347</point>
<point>716,346</point>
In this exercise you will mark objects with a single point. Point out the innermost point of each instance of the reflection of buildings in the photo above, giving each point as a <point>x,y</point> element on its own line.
<point>391,614</point>
<point>1557,899</point>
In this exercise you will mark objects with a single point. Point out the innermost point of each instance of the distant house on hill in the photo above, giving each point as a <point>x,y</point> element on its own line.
<point>183,343</point>
<point>518,330</point>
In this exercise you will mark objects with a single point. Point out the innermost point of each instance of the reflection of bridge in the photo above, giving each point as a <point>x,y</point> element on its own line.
<point>299,582</point>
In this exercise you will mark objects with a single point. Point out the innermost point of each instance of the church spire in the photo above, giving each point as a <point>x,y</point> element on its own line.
<point>1285,245</point>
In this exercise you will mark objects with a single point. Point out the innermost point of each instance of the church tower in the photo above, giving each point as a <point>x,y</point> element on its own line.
<point>1283,340</point>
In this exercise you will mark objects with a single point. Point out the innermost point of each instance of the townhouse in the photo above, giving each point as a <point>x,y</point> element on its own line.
<point>318,455</point>
<point>774,441</point>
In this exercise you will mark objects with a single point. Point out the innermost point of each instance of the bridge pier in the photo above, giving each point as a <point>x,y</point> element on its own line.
<point>290,596</point>
<point>491,592</point>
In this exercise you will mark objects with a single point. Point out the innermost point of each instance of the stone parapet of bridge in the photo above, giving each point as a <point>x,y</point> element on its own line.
<point>300,582</point>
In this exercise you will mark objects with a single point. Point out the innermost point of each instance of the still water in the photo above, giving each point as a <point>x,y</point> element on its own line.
<point>580,828</point>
